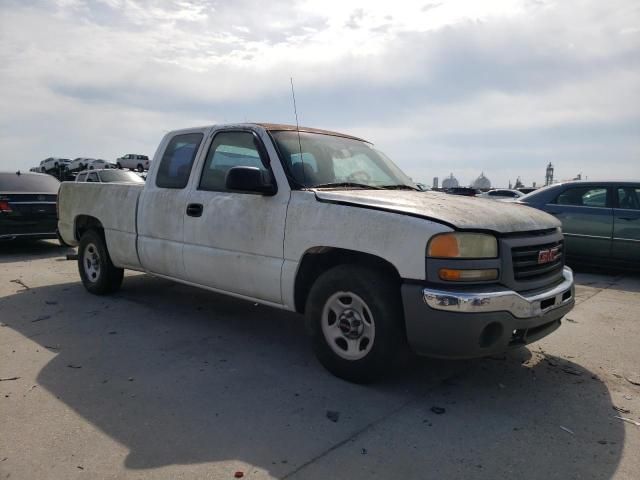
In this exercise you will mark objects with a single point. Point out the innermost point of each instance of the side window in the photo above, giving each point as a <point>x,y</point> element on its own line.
<point>228,150</point>
<point>81,177</point>
<point>177,160</point>
<point>629,198</point>
<point>93,177</point>
<point>583,197</point>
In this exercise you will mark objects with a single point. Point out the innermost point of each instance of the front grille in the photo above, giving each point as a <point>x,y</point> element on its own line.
<point>525,261</point>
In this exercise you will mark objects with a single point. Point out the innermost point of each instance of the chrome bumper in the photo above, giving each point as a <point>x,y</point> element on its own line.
<point>492,300</point>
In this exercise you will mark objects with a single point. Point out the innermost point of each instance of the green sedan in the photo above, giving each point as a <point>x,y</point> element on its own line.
<point>600,220</point>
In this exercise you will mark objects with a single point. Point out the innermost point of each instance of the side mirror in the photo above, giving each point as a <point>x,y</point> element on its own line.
<point>250,179</point>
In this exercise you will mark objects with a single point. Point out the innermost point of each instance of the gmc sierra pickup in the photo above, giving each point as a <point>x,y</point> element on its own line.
<point>324,224</point>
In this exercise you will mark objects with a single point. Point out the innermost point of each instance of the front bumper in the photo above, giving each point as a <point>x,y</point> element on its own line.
<point>467,324</point>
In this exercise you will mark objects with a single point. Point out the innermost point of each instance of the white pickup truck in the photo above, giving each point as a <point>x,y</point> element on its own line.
<point>324,224</point>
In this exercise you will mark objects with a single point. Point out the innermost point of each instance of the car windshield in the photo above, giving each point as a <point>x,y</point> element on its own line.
<point>323,161</point>
<point>111,176</point>
<point>28,183</point>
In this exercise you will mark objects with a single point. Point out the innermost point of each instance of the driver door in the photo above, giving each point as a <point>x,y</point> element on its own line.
<point>234,241</point>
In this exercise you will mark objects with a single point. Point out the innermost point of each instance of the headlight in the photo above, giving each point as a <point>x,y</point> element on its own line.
<point>463,245</point>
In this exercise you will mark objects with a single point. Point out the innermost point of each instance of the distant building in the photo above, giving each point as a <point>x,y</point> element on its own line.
<point>450,182</point>
<point>482,182</point>
<point>435,182</point>
<point>518,184</point>
<point>548,179</point>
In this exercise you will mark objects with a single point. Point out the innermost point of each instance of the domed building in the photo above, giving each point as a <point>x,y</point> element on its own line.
<point>450,182</point>
<point>482,182</point>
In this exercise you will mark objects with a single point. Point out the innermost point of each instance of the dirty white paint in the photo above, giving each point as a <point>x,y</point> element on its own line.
<point>251,246</point>
<point>113,204</point>
<point>460,211</point>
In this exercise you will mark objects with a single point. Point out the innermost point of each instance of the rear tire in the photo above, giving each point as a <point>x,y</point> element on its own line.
<point>356,319</point>
<point>99,275</point>
<point>140,168</point>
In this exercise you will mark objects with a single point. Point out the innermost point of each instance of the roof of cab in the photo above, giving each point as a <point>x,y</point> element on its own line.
<point>279,127</point>
<point>272,127</point>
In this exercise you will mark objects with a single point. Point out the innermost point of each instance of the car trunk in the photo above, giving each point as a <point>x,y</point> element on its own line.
<point>27,214</point>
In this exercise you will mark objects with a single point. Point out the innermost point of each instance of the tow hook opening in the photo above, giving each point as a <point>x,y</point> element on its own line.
<point>491,334</point>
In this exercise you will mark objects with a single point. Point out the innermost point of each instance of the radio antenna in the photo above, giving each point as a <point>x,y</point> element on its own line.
<point>295,110</point>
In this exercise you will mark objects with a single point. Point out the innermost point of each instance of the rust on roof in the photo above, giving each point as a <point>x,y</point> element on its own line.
<point>279,127</point>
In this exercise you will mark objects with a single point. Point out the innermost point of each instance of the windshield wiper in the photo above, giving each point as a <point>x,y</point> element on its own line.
<point>345,184</point>
<point>398,187</point>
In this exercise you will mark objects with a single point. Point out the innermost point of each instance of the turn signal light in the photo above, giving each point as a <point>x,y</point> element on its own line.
<point>5,207</point>
<point>455,275</point>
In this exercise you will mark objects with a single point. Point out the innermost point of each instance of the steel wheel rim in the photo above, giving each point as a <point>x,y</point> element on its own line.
<point>91,262</point>
<point>348,325</point>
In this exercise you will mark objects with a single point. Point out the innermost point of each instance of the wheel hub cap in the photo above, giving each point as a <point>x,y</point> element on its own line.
<point>350,324</point>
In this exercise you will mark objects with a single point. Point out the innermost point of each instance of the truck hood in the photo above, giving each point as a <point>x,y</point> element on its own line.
<point>454,210</point>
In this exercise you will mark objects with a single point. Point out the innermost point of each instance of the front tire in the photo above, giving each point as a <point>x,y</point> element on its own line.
<point>118,166</point>
<point>99,275</point>
<point>356,319</point>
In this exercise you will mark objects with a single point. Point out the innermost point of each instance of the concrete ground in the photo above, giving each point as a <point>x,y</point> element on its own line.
<point>164,381</point>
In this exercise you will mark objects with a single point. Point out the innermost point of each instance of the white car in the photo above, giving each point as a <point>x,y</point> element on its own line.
<point>97,163</point>
<point>501,194</point>
<point>134,161</point>
<point>79,163</point>
<point>53,163</point>
<point>320,223</point>
<point>108,175</point>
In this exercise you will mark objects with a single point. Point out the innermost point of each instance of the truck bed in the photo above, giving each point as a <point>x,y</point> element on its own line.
<point>114,205</point>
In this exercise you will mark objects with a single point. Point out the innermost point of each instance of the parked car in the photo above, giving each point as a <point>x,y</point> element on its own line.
<point>109,175</point>
<point>28,206</point>
<point>320,223</point>
<point>53,163</point>
<point>80,163</point>
<point>501,194</point>
<point>464,191</point>
<point>601,220</point>
<point>133,161</point>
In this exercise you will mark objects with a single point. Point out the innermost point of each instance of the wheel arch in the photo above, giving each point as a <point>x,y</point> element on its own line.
<point>317,260</point>
<point>83,223</point>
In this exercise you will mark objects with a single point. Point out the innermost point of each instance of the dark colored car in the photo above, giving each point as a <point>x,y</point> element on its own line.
<point>600,220</point>
<point>466,191</point>
<point>28,206</point>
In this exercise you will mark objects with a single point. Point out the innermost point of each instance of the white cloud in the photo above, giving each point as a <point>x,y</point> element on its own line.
<point>439,84</point>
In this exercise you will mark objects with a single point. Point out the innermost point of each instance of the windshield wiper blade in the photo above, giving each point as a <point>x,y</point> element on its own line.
<point>399,187</point>
<point>345,184</point>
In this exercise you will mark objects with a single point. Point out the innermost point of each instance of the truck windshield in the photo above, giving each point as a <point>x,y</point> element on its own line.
<point>328,161</point>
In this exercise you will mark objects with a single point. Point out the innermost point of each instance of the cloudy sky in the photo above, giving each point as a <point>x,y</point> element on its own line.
<point>458,86</point>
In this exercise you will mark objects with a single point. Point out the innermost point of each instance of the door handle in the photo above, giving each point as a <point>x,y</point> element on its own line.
<point>195,209</point>
<point>626,218</point>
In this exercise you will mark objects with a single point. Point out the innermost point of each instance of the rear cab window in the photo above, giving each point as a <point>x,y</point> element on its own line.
<point>177,160</point>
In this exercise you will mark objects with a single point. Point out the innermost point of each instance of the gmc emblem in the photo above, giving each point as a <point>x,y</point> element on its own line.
<point>546,256</point>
